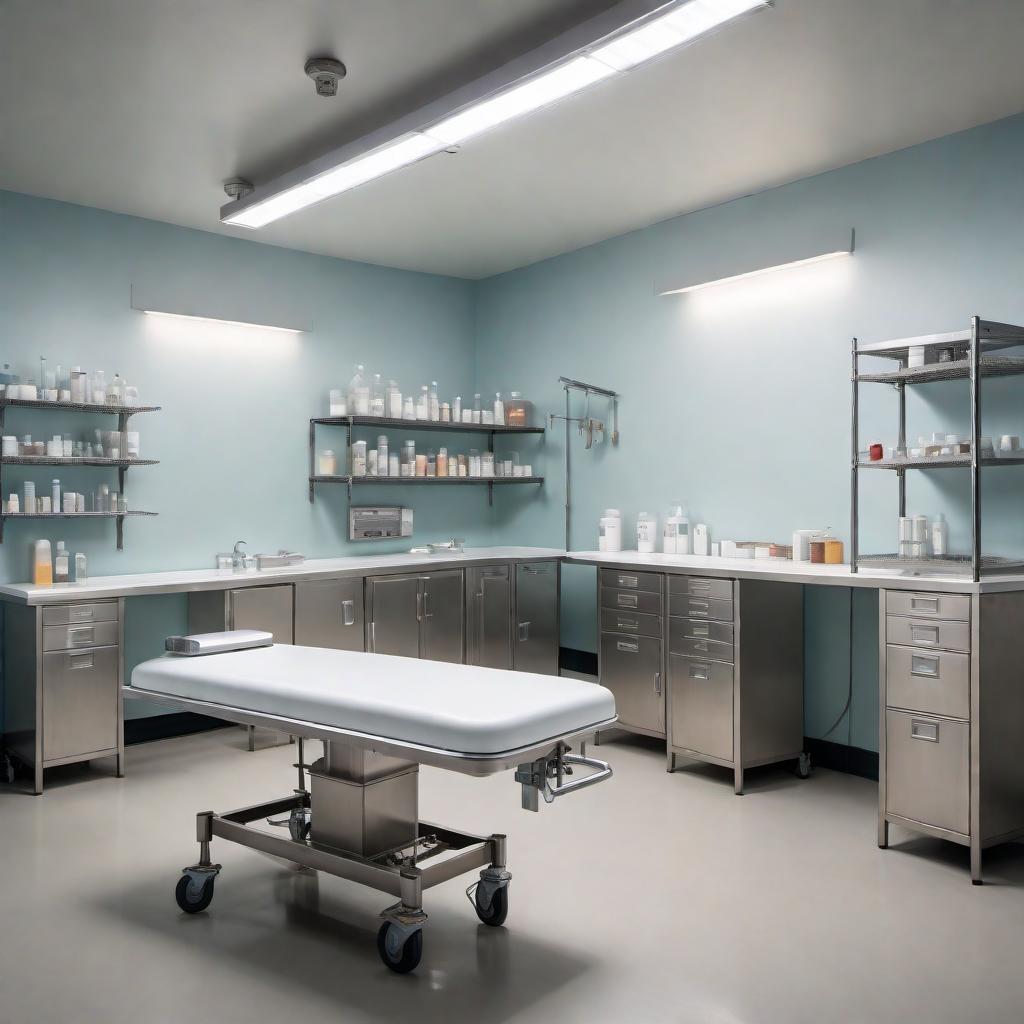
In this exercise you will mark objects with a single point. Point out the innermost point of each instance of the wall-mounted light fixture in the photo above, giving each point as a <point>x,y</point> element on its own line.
<point>776,255</point>
<point>263,311</point>
<point>630,33</point>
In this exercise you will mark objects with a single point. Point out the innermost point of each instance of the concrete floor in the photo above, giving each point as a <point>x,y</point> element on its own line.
<point>649,898</point>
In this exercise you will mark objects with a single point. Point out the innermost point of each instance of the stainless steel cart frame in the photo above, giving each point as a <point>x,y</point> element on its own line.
<point>358,819</point>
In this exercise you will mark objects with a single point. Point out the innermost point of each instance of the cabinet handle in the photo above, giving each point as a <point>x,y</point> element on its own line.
<point>419,606</point>
<point>924,634</point>
<point>81,614</point>
<point>524,632</point>
<point>427,613</point>
<point>88,633</point>
<point>924,665</point>
<point>699,630</point>
<point>373,637</point>
<point>348,613</point>
<point>76,661</point>
<point>657,683</point>
<point>700,671</point>
<point>626,600</point>
<point>700,645</point>
<point>628,581</point>
<point>628,625</point>
<point>924,730</point>
<point>925,604</point>
<point>699,585</point>
<point>628,646</point>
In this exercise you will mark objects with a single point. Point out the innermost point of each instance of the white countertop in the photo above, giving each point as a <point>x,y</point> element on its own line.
<point>786,571</point>
<point>188,580</point>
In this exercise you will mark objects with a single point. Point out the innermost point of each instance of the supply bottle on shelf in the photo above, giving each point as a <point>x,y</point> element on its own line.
<point>433,406</point>
<point>42,574</point>
<point>677,531</point>
<point>61,565</point>
<point>81,571</point>
<point>940,536</point>
<point>377,396</point>
<point>358,394</point>
<point>499,410</point>
<point>610,531</point>
<point>359,458</point>
<point>646,531</point>
<point>423,403</point>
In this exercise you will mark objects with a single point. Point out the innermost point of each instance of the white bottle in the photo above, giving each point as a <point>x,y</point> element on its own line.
<point>677,532</point>
<point>940,535</point>
<point>81,573</point>
<point>610,531</point>
<point>377,396</point>
<point>358,394</point>
<point>61,564</point>
<point>433,406</point>
<point>499,411</point>
<point>423,403</point>
<point>701,540</point>
<point>646,531</point>
<point>55,495</point>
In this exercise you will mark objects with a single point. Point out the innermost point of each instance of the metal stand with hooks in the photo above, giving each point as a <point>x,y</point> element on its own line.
<point>586,425</point>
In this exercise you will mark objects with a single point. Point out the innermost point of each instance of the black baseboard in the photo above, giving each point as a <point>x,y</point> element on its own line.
<point>841,758</point>
<point>572,660</point>
<point>162,727</point>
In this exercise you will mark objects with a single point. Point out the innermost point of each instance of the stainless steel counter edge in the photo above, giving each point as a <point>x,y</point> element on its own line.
<point>192,580</point>
<point>781,571</point>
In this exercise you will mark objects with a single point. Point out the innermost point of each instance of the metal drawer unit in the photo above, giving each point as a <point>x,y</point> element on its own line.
<point>735,673</point>
<point>631,653</point>
<point>62,693</point>
<point>951,715</point>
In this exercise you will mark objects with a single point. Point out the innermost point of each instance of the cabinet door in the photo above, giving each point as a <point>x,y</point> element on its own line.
<point>536,639</point>
<point>702,706</point>
<point>80,697</point>
<point>631,669</point>
<point>329,613</point>
<point>489,617</point>
<point>443,617</point>
<point>394,610</point>
<point>266,608</point>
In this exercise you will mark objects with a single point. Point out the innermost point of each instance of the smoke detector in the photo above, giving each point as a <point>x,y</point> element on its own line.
<point>326,72</point>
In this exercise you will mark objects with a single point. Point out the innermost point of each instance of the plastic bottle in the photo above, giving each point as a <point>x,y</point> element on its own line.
<point>43,572</point>
<point>646,532</point>
<point>55,495</point>
<point>377,396</point>
<point>940,535</point>
<point>382,455</point>
<point>423,403</point>
<point>394,401</point>
<point>81,570</point>
<point>61,565</point>
<point>358,394</point>
<point>499,411</point>
<point>610,531</point>
<point>677,531</point>
<point>358,458</point>
<point>476,409</point>
<point>433,406</point>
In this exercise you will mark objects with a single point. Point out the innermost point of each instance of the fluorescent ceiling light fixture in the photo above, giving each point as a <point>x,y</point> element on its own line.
<point>618,39</point>
<point>691,285</point>
<point>533,94</point>
<point>217,320</point>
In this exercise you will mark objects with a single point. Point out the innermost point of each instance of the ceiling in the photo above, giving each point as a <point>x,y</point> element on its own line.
<point>147,106</point>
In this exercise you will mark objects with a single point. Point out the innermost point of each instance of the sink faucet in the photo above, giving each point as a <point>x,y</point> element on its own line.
<point>238,557</point>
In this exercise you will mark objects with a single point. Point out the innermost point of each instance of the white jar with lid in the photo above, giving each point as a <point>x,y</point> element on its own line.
<point>646,532</point>
<point>610,530</point>
<point>677,531</point>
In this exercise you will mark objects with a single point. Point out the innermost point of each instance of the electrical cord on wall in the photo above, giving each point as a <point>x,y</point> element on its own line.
<point>849,690</point>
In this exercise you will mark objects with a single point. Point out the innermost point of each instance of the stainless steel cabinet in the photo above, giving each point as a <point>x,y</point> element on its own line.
<point>489,616</point>
<point>631,669</point>
<point>702,706</point>
<point>631,651</point>
<point>417,616</point>
<point>329,613</point>
<point>270,609</point>
<point>62,674</point>
<point>536,645</point>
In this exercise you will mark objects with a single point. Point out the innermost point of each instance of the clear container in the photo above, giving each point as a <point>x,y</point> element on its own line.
<point>408,464</point>
<point>394,464</point>
<point>442,462</point>
<point>646,532</point>
<point>431,463</point>
<point>457,409</point>
<point>81,571</point>
<point>463,465</point>
<point>371,462</point>
<point>518,411</point>
<point>408,408</point>
<point>487,464</point>
<point>499,410</point>
<point>421,464</point>
<point>359,458</point>
<point>358,393</point>
<point>327,464</point>
<point>382,455</point>
<point>677,530</point>
<point>433,406</point>
<point>610,530</point>
<point>474,462</point>
<point>394,401</point>
<point>423,403</point>
<point>446,413</point>
<point>477,406</point>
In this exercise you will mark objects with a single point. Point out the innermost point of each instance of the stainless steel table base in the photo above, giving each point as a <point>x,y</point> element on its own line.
<point>404,871</point>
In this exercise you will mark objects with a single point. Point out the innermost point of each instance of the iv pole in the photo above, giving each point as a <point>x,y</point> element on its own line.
<point>568,384</point>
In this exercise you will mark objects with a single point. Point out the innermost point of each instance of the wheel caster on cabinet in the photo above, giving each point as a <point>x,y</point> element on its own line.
<point>194,891</point>
<point>399,949</point>
<point>804,766</point>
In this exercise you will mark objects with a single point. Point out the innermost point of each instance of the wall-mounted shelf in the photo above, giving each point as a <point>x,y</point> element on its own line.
<point>968,356</point>
<point>122,412</point>
<point>350,423</point>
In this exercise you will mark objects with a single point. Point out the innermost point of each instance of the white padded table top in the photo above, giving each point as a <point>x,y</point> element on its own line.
<point>461,708</point>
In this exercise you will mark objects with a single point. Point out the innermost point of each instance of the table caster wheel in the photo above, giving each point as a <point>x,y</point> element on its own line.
<point>495,914</point>
<point>7,769</point>
<point>299,825</point>
<point>402,954</point>
<point>194,896</point>
<point>803,766</point>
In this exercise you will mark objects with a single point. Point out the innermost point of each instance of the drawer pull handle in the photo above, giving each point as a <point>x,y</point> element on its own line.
<point>923,730</point>
<point>628,647</point>
<point>628,624</point>
<point>81,614</point>
<point>348,612</point>
<point>700,671</point>
<point>657,683</point>
<point>700,645</point>
<point>697,585</point>
<point>626,600</point>
<point>701,630</point>
<point>924,634</point>
<point>925,604</point>
<point>924,665</point>
<point>81,636</point>
<point>628,581</point>
<point>524,632</point>
<point>76,661</point>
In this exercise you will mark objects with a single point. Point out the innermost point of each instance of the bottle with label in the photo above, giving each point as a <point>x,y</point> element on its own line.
<point>61,564</point>
<point>81,572</point>
<point>433,405</point>
<point>377,396</point>
<point>677,531</point>
<point>358,394</point>
<point>423,403</point>
<point>646,531</point>
<point>42,574</point>
<point>610,531</point>
<point>499,411</point>
<point>940,536</point>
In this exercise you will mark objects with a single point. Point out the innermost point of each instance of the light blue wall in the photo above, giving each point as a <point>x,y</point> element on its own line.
<point>738,399</point>
<point>232,436</point>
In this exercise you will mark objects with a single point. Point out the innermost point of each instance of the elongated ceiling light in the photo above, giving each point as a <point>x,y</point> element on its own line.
<point>618,40</point>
